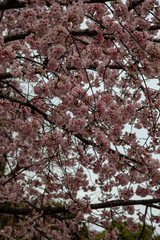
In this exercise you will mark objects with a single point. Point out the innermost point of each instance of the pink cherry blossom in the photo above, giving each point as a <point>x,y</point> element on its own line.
<point>79,116</point>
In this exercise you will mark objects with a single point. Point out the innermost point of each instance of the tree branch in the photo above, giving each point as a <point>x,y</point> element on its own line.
<point>5,75</point>
<point>54,210</point>
<point>118,203</point>
<point>91,67</point>
<point>8,4</point>
<point>14,37</point>
<point>134,4</point>
<point>78,136</point>
<point>98,1</point>
<point>144,225</point>
<point>27,104</point>
<point>79,33</point>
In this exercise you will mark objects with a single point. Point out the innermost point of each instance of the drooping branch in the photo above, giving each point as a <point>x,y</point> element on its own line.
<point>78,136</point>
<point>133,161</point>
<point>27,104</point>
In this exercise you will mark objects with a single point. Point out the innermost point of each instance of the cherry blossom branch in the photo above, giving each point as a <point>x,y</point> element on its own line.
<point>156,40</point>
<point>144,224</point>
<point>118,203</point>
<point>27,104</point>
<point>17,36</point>
<point>61,119</point>
<point>92,33</point>
<point>79,136</point>
<point>8,4</point>
<point>99,1</point>
<point>84,32</point>
<point>78,33</point>
<point>151,28</point>
<point>134,4</point>
<point>54,210</point>
<point>5,75</point>
<point>92,67</point>
<point>15,172</point>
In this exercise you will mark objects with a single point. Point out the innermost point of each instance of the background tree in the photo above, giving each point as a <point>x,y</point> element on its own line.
<point>79,115</point>
<point>143,233</point>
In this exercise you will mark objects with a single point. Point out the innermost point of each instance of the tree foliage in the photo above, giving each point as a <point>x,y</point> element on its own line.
<point>125,234</point>
<point>79,116</point>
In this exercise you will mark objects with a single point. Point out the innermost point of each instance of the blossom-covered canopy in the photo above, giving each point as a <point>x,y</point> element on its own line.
<point>79,116</point>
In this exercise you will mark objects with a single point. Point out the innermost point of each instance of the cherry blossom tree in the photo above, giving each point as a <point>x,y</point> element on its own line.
<point>79,116</point>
